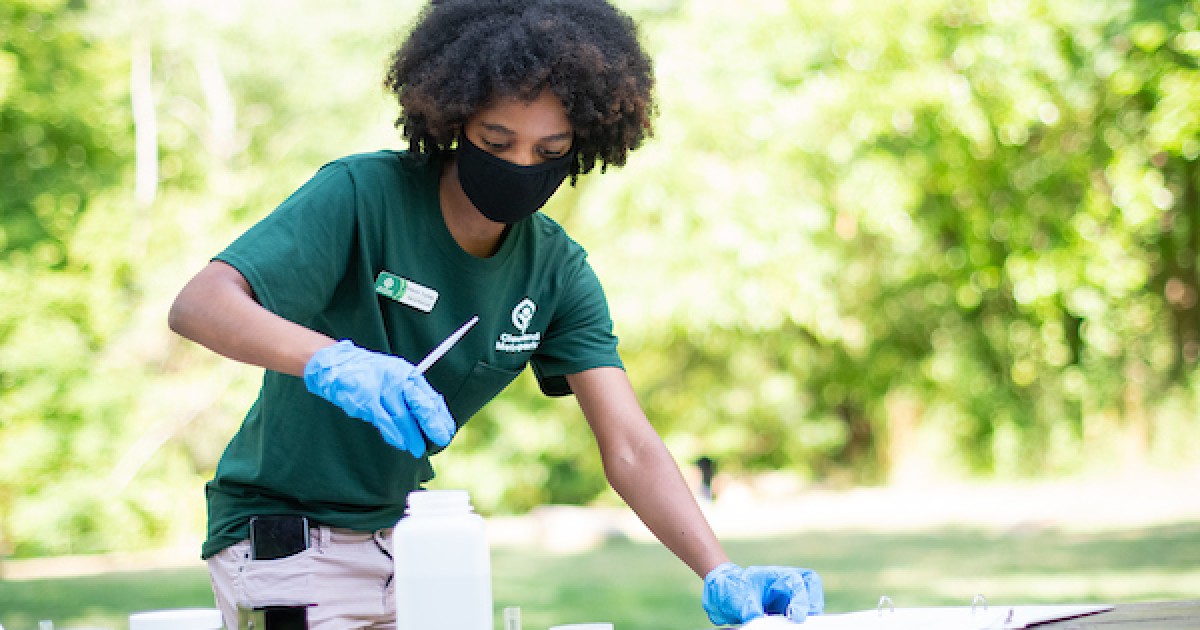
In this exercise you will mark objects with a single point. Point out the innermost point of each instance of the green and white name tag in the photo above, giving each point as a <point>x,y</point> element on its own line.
<point>405,291</point>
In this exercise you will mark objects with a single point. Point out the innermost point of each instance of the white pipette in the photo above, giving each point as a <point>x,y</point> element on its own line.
<point>444,347</point>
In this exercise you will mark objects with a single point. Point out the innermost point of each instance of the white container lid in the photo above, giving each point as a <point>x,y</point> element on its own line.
<point>438,501</point>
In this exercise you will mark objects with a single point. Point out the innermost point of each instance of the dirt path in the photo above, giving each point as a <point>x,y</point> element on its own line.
<point>776,505</point>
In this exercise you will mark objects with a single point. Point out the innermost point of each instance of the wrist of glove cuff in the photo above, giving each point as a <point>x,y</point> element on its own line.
<point>321,370</point>
<point>728,596</point>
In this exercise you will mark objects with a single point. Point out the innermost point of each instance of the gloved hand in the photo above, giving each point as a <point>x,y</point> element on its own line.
<point>733,595</point>
<point>384,390</point>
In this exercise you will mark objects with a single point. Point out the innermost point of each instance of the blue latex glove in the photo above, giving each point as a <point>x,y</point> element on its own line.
<point>384,390</point>
<point>733,595</point>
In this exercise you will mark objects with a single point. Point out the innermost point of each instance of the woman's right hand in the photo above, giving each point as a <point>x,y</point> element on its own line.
<point>384,390</point>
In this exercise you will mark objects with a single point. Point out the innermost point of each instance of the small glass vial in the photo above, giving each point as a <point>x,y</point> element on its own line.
<point>512,618</point>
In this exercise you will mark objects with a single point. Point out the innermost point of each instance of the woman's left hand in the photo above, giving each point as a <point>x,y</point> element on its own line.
<point>735,595</point>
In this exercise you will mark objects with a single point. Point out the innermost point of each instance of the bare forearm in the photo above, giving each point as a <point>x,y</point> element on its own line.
<point>217,310</point>
<point>650,483</point>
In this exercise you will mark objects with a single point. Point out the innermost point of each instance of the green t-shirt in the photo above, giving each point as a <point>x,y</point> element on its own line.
<point>317,260</point>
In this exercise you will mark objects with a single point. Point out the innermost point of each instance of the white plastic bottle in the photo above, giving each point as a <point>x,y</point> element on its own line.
<point>443,569</point>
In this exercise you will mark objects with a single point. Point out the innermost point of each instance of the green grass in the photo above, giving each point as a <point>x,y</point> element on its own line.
<point>641,586</point>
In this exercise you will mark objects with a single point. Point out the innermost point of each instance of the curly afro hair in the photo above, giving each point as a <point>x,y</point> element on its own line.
<point>463,54</point>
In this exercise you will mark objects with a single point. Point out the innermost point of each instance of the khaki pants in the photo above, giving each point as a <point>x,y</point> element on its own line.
<point>346,574</point>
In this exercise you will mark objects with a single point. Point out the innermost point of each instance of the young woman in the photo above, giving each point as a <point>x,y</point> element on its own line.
<point>379,257</point>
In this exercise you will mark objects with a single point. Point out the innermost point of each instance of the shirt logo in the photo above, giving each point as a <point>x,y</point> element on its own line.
<point>522,317</point>
<point>522,314</point>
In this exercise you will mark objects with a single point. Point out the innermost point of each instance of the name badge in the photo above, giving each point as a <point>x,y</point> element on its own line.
<point>405,291</point>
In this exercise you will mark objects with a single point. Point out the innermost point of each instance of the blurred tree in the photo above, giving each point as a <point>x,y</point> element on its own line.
<point>141,141</point>
<point>60,135</point>
<point>913,230</point>
<point>64,147</point>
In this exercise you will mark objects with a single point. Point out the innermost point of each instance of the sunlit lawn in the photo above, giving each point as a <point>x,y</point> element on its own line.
<point>640,586</point>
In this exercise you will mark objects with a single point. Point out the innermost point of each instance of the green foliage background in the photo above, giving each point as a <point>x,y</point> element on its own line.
<point>870,240</point>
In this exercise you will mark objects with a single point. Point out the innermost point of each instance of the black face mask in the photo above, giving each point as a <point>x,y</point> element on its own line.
<point>505,192</point>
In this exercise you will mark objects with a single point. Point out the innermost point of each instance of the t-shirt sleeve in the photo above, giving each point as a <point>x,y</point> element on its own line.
<point>294,257</point>
<point>580,336</point>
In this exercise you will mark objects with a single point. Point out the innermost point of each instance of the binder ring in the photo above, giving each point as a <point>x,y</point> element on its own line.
<point>890,603</point>
<point>977,600</point>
